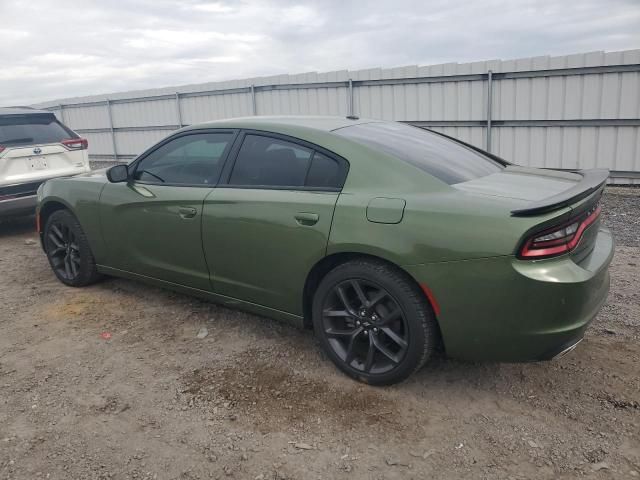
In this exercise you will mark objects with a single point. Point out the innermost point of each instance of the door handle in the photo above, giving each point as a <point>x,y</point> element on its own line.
<point>307,219</point>
<point>187,212</point>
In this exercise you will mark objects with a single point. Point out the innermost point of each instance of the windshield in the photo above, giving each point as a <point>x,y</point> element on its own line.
<point>21,130</point>
<point>439,156</point>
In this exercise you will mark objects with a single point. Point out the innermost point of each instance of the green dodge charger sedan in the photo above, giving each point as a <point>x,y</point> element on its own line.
<point>389,241</point>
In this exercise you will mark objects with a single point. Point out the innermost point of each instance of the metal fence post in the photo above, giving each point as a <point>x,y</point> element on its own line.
<point>178,111</point>
<point>113,133</point>
<point>489,105</point>
<point>253,100</point>
<point>350,109</point>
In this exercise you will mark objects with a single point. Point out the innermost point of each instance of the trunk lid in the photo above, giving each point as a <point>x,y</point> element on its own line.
<point>544,190</point>
<point>548,198</point>
<point>529,184</point>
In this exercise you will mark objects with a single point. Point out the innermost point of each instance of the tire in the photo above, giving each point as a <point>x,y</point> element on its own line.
<point>398,324</point>
<point>68,250</point>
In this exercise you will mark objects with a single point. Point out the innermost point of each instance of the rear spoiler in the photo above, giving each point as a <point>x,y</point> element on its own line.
<point>592,180</point>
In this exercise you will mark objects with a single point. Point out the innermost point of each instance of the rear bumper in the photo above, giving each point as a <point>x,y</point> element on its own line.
<point>505,309</point>
<point>19,199</point>
<point>18,206</point>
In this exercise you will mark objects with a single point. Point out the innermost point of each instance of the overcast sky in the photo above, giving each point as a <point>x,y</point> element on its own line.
<point>62,48</point>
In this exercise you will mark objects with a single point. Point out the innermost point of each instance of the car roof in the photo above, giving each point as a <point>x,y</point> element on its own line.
<point>324,123</point>
<point>22,111</point>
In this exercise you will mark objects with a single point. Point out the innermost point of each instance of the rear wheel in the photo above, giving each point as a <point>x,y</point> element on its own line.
<point>68,250</point>
<point>374,322</point>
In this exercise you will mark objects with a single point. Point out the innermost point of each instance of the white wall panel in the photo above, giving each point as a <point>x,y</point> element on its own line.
<point>570,96</point>
<point>135,142</point>
<point>214,107</point>
<point>315,101</point>
<point>90,116</point>
<point>99,143</point>
<point>146,113</point>
<point>615,148</point>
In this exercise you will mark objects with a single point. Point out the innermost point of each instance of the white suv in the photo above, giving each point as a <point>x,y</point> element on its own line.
<point>34,146</point>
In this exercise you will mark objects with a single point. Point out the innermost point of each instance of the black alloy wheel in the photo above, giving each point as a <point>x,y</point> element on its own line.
<point>365,326</point>
<point>373,321</point>
<point>63,251</point>
<point>68,250</point>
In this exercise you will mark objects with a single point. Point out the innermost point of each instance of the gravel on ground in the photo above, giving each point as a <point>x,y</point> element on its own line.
<point>120,381</point>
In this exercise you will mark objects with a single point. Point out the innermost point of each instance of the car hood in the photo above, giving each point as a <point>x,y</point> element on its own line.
<point>521,183</point>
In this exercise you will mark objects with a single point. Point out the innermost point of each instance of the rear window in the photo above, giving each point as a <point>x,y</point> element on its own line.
<point>445,159</point>
<point>17,130</point>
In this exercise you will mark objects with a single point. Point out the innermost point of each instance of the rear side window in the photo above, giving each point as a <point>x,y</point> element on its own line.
<point>445,159</point>
<point>267,161</point>
<point>324,172</point>
<point>24,130</point>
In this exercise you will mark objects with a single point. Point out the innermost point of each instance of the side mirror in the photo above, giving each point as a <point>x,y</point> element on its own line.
<point>118,174</point>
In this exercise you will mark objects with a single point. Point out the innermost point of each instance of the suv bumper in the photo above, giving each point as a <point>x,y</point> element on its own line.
<point>19,199</point>
<point>18,206</point>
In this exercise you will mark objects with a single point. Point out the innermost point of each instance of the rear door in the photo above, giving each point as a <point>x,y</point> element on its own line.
<point>37,146</point>
<point>152,225</point>
<point>268,223</point>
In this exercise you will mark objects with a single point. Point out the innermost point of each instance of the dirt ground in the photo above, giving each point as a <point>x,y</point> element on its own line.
<point>257,400</point>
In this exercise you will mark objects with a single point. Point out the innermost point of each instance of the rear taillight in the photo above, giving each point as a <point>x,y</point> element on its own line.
<point>2,147</point>
<point>75,143</point>
<point>559,239</point>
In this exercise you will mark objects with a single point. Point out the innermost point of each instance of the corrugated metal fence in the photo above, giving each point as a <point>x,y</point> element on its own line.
<point>568,112</point>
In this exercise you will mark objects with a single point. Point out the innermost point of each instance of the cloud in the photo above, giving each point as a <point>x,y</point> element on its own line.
<point>64,48</point>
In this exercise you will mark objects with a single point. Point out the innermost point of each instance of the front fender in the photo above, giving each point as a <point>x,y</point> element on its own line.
<point>81,197</point>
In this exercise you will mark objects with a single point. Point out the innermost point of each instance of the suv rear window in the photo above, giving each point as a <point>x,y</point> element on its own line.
<point>445,159</point>
<point>18,130</point>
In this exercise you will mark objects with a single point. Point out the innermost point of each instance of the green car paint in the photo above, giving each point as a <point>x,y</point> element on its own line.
<point>270,229</point>
<point>156,231</point>
<point>255,248</point>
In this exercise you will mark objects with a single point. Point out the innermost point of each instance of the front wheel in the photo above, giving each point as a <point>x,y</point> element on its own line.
<point>373,321</point>
<point>68,250</point>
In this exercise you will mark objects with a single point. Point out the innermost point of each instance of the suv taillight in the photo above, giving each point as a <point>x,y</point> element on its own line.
<point>560,239</point>
<point>75,143</point>
<point>2,147</point>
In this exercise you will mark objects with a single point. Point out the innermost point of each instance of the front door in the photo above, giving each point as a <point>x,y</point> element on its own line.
<point>152,225</point>
<point>265,228</point>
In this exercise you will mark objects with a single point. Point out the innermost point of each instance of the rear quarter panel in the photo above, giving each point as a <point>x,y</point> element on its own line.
<point>439,223</point>
<point>436,227</point>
